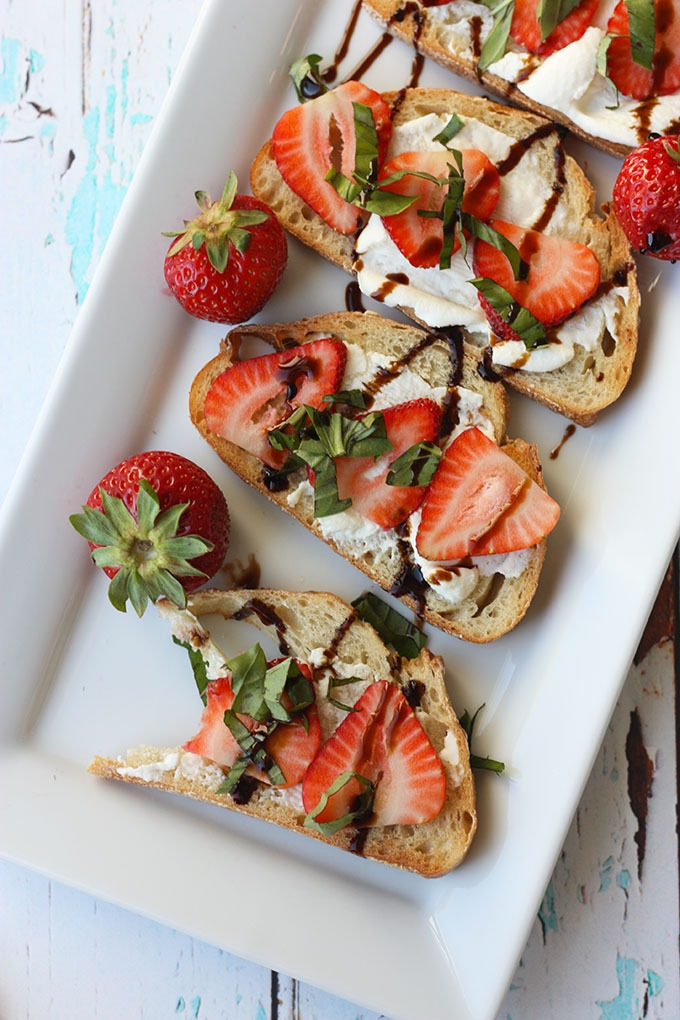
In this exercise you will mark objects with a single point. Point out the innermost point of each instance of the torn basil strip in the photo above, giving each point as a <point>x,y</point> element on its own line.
<point>307,78</point>
<point>362,810</point>
<point>451,209</point>
<point>496,42</point>
<point>642,27</point>
<point>450,130</point>
<point>476,761</point>
<point>520,319</point>
<point>477,228</point>
<point>390,625</point>
<point>550,13</point>
<point>415,466</point>
<point>601,64</point>
<point>351,398</point>
<point>198,666</point>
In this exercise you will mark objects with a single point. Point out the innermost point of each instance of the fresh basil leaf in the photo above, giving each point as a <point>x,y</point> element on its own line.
<point>551,12</point>
<point>642,27</point>
<point>496,42</point>
<point>352,398</point>
<point>391,626</point>
<point>519,318</point>
<point>342,681</point>
<point>476,762</point>
<point>415,466</point>
<point>306,78</point>
<point>601,64</point>
<point>451,209</point>
<point>327,501</point>
<point>247,682</point>
<point>364,805</point>
<point>235,773</point>
<point>387,203</point>
<point>356,189</point>
<point>486,233</point>
<point>450,130</point>
<point>198,666</point>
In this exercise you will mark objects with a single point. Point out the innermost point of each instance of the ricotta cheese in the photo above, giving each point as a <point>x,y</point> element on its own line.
<point>446,297</point>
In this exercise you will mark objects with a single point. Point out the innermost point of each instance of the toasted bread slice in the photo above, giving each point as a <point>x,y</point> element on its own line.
<point>488,602</point>
<point>326,633</point>
<point>542,187</point>
<point>566,86</point>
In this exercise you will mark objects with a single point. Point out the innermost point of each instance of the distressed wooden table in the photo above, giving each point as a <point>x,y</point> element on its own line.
<point>80,85</point>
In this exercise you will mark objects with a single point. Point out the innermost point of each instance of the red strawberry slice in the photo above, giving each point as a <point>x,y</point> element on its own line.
<point>632,79</point>
<point>419,238</point>
<point>562,275</point>
<point>529,519</point>
<point>525,27</point>
<point>292,745</point>
<point>363,479</point>
<point>315,136</point>
<point>254,396</point>
<point>474,485</point>
<point>382,741</point>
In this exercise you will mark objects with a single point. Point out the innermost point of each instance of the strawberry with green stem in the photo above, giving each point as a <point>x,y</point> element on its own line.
<point>226,262</point>
<point>158,525</point>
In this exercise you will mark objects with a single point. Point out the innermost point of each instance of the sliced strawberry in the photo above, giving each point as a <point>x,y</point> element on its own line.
<point>562,275</point>
<point>254,396</point>
<point>292,745</point>
<point>474,485</point>
<point>633,79</point>
<point>363,479</point>
<point>529,519</point>
<point>382,741</point>
<point>315,136</point>
<point>525,27</point>
<point>419,238</point>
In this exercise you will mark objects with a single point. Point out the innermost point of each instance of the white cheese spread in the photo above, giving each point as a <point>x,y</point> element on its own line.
<point>446,297</point>
<point>567,80</point>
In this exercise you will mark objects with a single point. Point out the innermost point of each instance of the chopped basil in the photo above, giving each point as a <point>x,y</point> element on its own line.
<point>415,466</point>
<point>520,319</point>
<point>363,805</point>
<point>476,762</point>
<point>551,12</point>
<point>496,42</point>
<point>642,27</point>
<point>601,64</point>
<point>306,78</point>
<point>486,233</point>
<point>352,398</point>
<point>393,628</point>
<point>450,130</point>
<point>198,667</point>
<point>342,681</point>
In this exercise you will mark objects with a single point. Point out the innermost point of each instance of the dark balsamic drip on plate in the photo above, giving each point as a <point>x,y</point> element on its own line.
<point>568,433</point>
<point>268,616</point>
<point>244,789</point>
<point>357,72</point>
<point>353,297</point>
<point>241,576</point>
<point>329,73</point>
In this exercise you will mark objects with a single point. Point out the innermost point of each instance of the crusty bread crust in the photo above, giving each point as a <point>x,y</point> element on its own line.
<point>497,603</point>
<point>304,624</point>
<point>422,32</point>
<point>593,379</point>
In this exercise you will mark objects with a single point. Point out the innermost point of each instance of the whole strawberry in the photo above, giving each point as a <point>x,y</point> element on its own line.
<point>647,197</point>
<point>227,262</point>
<point>157,524</point>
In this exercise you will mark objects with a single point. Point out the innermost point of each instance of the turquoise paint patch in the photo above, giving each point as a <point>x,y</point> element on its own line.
<point>606,874</point>
<point>261,1015</point>
<point>12,73</point>
<point>140,118</point>
<point>49,240</point>
<point>36,61</point>
<point>614,775</point>
<point>93,209</point>
<point>626,1005</point>
<point>547,914</point>
<point>3,123</point>
<point>655,982</point>
<point>623,879</point>
<point>181,1004</point>
<point>195,1006</point>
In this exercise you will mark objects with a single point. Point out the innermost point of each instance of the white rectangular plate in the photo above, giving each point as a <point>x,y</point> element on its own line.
<point>79,678</point>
